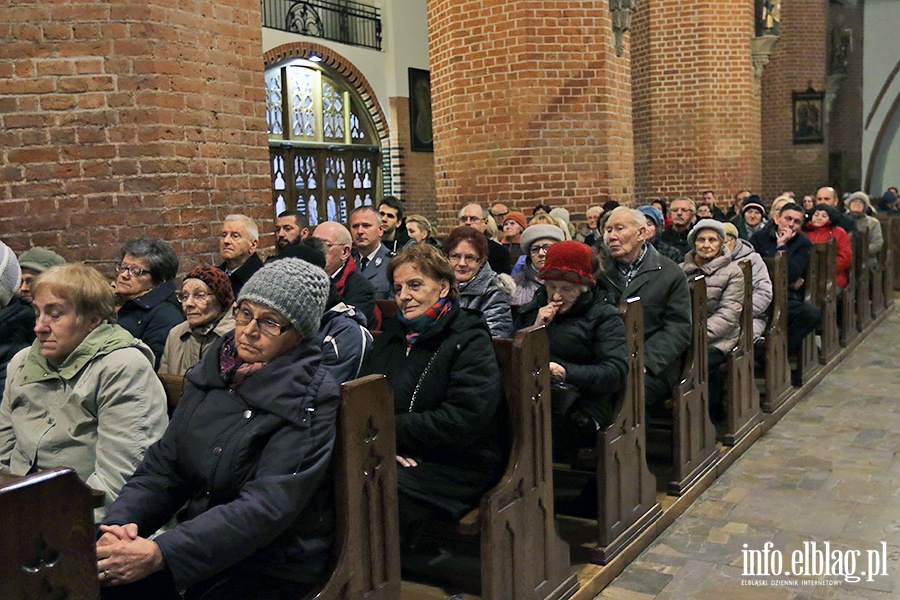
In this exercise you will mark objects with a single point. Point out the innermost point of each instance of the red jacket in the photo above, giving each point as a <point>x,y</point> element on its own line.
<point>844,249</point>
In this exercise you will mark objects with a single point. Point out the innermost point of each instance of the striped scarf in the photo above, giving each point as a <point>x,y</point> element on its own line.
<point>426,321</point>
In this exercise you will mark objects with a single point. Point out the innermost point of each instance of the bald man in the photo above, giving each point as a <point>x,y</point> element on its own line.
<point>828,195</point>
<point>355,289</point>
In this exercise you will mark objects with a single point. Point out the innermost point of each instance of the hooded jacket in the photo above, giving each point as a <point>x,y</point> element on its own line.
<point>833,230</point>
<point>17,325</point>
<point>724,296</point>
<point>762,284</point>
<point>97,412</point>
<point>488,294</point>
<point>345,341</point>
<point>246,469</point>
<point>150,317</point>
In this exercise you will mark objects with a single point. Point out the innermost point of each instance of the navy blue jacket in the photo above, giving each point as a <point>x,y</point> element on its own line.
<point>247,471</point>
<point>150,317</point>
<point>16,332</point>
<point>797,249</point>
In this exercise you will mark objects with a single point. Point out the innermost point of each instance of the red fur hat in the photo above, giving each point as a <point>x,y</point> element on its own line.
<point>569,261</point>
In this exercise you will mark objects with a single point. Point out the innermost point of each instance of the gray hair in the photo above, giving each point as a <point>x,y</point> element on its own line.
<point>161,259</point>
<point>250,224</point>
<point>684,199</point>
<point>593,210</point>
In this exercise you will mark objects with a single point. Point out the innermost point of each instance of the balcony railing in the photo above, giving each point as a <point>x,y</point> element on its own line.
<point>342,21</point>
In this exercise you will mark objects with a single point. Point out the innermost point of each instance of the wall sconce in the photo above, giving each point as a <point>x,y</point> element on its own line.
<point>621,20</point>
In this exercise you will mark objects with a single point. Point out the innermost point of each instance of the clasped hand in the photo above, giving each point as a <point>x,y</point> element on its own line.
<point>125,557</point>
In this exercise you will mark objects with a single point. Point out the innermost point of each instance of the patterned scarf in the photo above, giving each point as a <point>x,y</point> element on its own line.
<point>426,321</point>
<point>232,369</point>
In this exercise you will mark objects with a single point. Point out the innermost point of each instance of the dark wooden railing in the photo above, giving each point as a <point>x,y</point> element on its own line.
<point>343,21</point>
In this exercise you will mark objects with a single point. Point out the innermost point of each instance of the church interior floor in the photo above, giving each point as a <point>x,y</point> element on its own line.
<point>827,473</point>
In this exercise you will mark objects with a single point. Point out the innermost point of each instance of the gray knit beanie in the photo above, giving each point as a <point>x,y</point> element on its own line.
<point>10,274</point>
<point>706,224</point>
<point>293,287</point>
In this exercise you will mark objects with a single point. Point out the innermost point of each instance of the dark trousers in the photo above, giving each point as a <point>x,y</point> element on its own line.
<point>802,319</point>
<point>716,358</point>
<point>232,584</point>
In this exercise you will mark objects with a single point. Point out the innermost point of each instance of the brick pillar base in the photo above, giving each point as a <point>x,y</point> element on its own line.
<point>125,119</point>
<point>530,104</point>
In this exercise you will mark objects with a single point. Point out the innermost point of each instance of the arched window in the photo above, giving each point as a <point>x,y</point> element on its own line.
<point>323,150</point>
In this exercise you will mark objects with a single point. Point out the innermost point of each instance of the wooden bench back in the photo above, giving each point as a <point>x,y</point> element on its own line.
<point>827,298</point>
<point>174,386</point>
<point>808,357</point>
<point>863,273</point>
<point>388,309</point>
<point>777,372</point>
<point>741,395</point>
<point>47,548</point>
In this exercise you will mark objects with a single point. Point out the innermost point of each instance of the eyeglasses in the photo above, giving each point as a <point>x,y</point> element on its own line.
<point>134,271</point>
<point>199,296</point>
<point>455,257</point>
<point>470,219</point>
<point>499,216</point>
<point>269,327</point>
<point>535,250</point>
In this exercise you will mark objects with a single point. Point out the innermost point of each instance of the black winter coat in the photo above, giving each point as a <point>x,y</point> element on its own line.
<point>588,340</point>
<point>446,398</point>
<point>150,317</point>
<point>798,250</point>
<point>247,471</point>
<point>16,332</point>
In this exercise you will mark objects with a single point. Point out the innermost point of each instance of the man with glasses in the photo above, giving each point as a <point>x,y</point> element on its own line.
<point>370,254</point>
<point>472,215</point>
<point>355,289</point>
<point>391,212</point>
<point>682,211</point>
<point>499,212</point>
<point>237,247</point>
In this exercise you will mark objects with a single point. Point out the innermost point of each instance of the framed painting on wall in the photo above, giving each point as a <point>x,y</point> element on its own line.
<point>809,123</point>
<point>420,111</point>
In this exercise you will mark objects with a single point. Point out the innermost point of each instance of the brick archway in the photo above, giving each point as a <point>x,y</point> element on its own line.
<point>339,65</point>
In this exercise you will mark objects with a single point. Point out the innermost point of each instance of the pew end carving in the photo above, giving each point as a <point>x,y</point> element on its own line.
<point>863,275</point>
<point>807,360</point>
<point>741,394</point>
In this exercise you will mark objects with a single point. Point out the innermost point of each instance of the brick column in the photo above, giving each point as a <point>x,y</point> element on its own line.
<point>530,104</point>
<point>696,115</point>
<point>797,60</point>
<point>122,119</point>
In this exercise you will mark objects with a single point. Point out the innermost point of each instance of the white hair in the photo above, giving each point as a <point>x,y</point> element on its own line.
<point>250,224</point>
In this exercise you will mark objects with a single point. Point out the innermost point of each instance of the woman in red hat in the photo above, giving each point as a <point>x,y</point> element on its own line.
<point>587,343</point>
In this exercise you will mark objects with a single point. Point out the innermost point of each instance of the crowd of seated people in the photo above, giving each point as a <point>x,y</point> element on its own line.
<point>299,324</point>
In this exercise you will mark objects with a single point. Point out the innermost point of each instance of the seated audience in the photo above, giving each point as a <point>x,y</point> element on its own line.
<point>536,241</point>
<point>145,293</point>
<point>291,227</point>
<point>353,288</point>
<point>753,218</point>
<point>16,316</point>
<point>237,247</point>
<point>394,235</point>
<point>784,233</point>
<point>762,283</point>
<point>859,208</point>
<point>704,210</point>
<point>94,378</point>
<point>244,467</point>
<point>33,262</point>
<point>724,301</point>
<point>736,204</point>
<point>541,209</point>
<point>480,288</point>
<point>420,231</point>
<point>809,203</point>
<point>587,343</point>
<point>821,227</point>
<point>513,226</point>
<point>635,268</point>
<point>472,215</point>
<point>655,222</point>
<point>439,359</point>
<point>562,215</point>
<point>206,299</point>
<point>709,198</point>
<point>370,256</point>
<point>499,212</point>
<point>682,211</point>
<point>888,202</point>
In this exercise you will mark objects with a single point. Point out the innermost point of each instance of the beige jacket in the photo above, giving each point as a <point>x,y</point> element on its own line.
<point>97,412</point>
<point>186,346</point>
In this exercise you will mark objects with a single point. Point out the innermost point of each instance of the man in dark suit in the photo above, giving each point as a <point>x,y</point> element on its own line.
<point>472,215</point>
<point>237,247</point>
<point>355,289</point>
<point>370,254</point>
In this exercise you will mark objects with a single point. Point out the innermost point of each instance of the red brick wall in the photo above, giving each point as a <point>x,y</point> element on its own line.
<point>125,119</point>
<point>413,172</point>
<point>530,104</point>
<point>696,118</point>
<point>798,59</point>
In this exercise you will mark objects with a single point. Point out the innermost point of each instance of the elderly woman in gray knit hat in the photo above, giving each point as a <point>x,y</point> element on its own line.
<point>243,466</point>
<point>711,258</point>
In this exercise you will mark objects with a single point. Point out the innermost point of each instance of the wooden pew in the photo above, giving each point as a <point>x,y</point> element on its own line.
<point>863,273</point>
<point>47,548</point>
<point>174,386</point>
<point>893,252</point>
<point>891,239</point>
<point>827,299</point>
<point>367,534</point>
<point>388,309</point>
<point>626,489</point>
<point>690,432</point>
<point>877,277</point>
<point>776,386</point>
<point>741,394</point>
<point>847,308</point>
<point>807,359</point>
<point>522,557</point>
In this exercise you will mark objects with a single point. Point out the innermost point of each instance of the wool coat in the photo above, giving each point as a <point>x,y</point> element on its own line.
<point>186,345</point>
<point>588,340</point>
<point>152,316</point>
<point>245,471</point>
<point>447,398</point>
<point>97,412</point>
<point>724,297</point>
<point>486,294</point>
